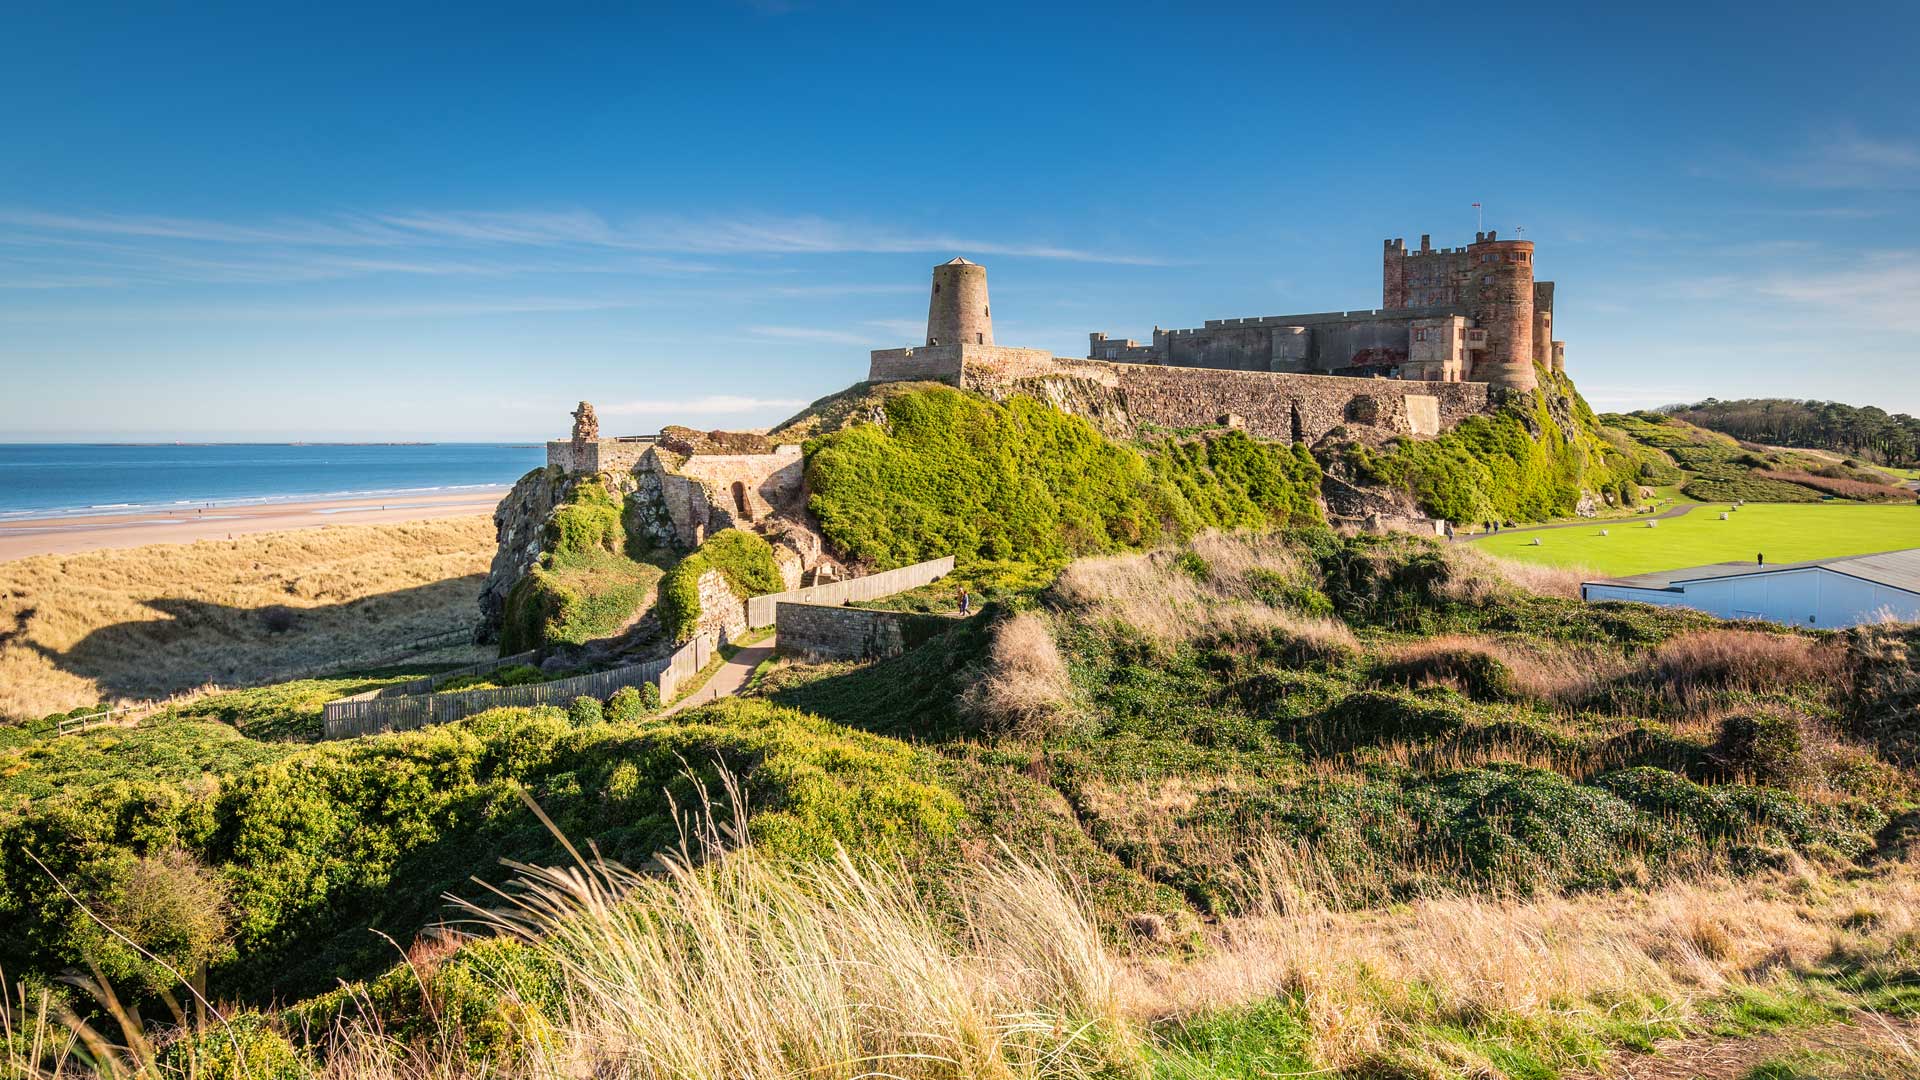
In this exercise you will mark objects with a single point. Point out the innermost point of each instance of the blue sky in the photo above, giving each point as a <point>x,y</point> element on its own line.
<point>456,222</point>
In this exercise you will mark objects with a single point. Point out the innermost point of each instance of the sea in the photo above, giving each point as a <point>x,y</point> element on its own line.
<point>41,480</point>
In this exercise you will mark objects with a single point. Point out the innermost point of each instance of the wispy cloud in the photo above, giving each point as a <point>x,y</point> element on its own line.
<point>710,404</point>
<point>810,333</point>
<point>1840,158</point>
<point>94,250</point>
<point>1879,291</point>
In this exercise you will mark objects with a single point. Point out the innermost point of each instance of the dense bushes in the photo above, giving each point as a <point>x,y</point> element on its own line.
<point>953,474</point>
<point>325,842</point>
<point>743,558</point>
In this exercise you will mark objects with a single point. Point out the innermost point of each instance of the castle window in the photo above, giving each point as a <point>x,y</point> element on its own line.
<point>936,288</point>
<point>979,339</point>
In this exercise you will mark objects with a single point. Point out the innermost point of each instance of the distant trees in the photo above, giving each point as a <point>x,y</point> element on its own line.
<point>1869,433</point>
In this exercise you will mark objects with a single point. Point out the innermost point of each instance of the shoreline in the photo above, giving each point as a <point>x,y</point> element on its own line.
<point>22,538</point>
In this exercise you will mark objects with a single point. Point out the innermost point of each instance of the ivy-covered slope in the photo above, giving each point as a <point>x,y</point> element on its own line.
<point>942,472</point>
<point>1534,457</point>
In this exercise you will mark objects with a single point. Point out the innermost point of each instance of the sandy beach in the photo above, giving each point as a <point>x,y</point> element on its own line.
<point>59,536</point>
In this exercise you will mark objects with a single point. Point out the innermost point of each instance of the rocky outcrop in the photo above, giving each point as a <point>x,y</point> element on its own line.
<point>520,529</point>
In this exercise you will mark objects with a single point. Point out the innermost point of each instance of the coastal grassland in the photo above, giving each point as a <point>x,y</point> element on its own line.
<point>1782,532</point>
<point>153,621</point>
<point>1252,803</point>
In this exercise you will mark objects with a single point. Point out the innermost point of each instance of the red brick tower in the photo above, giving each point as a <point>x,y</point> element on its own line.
<point>1393,275</point>
<point>1500,298</point>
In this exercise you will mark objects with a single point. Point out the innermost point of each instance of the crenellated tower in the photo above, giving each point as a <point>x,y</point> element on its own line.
<point>1499,296</point>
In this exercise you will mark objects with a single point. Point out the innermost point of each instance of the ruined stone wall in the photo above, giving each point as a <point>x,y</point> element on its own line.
<point>817,633</point>
<point>585,456</point>
<point>722,614</point>
<point>766,482</point>
<point>1324,341</point>
<point>1278,405</point>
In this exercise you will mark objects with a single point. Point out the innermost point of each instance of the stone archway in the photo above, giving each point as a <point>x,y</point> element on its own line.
<point>740,501</point>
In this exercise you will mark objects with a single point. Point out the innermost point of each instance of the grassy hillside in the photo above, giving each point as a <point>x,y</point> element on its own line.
<point>1707,466</point>
<point>948,473</point>
<point>1529,460</point>
<point>1304,802</point>
<point>78,629</point>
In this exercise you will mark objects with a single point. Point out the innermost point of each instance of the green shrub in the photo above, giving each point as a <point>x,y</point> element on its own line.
<point>588,522</point>
<point>628,704</point>
<point>746,561</point>
<point>246,1047</point>
<point>331,839</point>
<point>949,473</point>
<point>1767,747</point>
<point>585,712</point>
<point>585,586</point>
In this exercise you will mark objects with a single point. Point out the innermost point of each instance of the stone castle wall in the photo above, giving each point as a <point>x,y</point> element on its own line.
<point>1269,404</point>
<point>597,455</point>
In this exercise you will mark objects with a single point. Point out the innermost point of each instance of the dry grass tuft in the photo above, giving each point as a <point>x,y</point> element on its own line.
<point>1694,668</point>
<point>745,967</point>
<point>150,621</point>
<point>1490,669</point>
<point>1375,982</point>
<point>1169,598</point>
<point>1479,577</point>
<point>1025,691</point>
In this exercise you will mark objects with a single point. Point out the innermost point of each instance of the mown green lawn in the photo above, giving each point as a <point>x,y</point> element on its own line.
<point>1784,532</point>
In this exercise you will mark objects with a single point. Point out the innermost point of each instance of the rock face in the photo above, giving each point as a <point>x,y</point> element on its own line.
<point>520,524</point>
<point>675,493</point>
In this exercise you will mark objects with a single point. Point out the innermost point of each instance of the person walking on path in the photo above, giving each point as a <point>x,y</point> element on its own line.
<point>966,601</point>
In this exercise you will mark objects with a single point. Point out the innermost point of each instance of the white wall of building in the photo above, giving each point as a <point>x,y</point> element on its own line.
<point>1811,596</point>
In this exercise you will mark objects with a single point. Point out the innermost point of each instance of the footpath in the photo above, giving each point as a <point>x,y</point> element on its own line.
<point>1599,523</point>
<point>730,678</point>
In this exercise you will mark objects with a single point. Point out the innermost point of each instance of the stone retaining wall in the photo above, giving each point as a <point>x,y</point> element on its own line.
<point>761,609</point>
<point>819,633</point>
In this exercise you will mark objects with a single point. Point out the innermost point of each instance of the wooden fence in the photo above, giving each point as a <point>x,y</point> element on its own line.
<point>370,713</point>
<point>762,610</point>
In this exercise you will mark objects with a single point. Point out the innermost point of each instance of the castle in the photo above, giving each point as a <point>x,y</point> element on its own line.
<point>1457,328</point>
<point>1466,314</point>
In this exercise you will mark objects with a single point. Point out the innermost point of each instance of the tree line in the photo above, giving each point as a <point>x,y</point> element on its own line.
<point>1869,433</point>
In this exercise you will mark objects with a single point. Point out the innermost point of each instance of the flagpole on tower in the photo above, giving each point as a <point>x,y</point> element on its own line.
<point>1479,218</point>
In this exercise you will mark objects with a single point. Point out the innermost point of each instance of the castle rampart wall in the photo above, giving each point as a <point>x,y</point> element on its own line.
<point>1271,405</point>
<point>583,456</point>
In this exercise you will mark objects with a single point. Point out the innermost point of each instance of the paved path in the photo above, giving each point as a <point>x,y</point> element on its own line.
<point>1671,512</point>
<point>730,678</point>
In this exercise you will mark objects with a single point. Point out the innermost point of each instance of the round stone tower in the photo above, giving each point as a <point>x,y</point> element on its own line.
<point>1500,297</point>
<point>957,313</point>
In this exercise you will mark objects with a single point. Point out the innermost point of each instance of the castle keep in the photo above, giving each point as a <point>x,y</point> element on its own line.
<point>1466,314</point>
